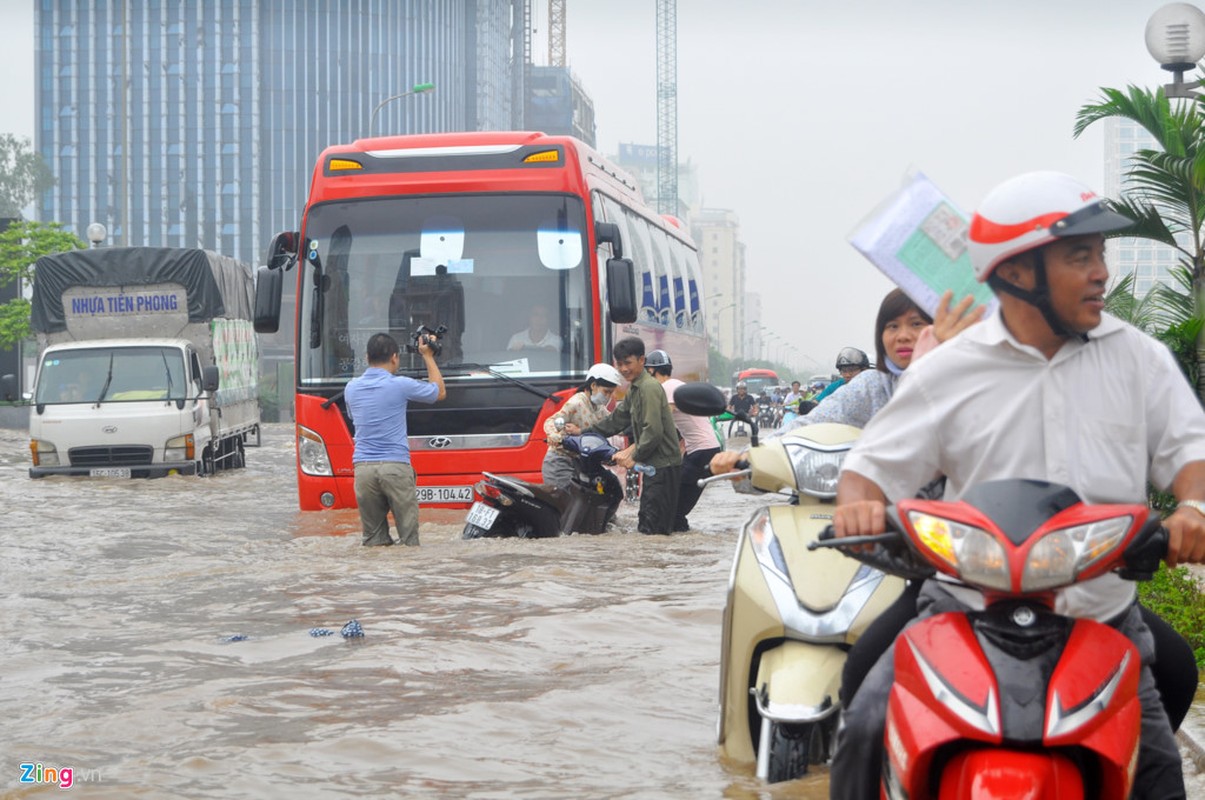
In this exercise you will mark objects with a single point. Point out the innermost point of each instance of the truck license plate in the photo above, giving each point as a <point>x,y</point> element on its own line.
<point>482,516</point>
<point>445,494</point>
<point>110,472</point>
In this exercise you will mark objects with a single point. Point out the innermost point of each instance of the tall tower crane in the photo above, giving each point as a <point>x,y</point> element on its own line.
<point>556,33</point>
<point>520,60</point>
<point>667,106</point>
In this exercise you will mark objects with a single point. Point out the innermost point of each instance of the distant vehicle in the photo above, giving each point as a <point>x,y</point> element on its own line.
<point>757,380</point>
<point>147,363</point>
<point>472,231</point>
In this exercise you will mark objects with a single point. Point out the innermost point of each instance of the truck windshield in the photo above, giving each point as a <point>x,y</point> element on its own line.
<point>507,275</point>
<point>138,373</point>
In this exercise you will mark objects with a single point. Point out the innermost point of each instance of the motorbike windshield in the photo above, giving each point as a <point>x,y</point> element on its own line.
<point>507,275</point>
<point>111,375</point>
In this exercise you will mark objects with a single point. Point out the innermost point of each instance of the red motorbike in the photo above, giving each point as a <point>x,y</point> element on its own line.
<point>1014,701</point>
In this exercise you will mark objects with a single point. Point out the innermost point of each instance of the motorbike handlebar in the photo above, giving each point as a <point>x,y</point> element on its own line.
<point>1141,559</point>
<point>742,471</point>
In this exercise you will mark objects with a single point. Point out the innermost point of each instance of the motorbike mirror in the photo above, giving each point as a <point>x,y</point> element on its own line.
<point>700,399</point>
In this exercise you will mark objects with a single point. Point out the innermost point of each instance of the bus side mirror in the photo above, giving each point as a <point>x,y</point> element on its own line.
<point>269,283</point>
<point>8,388</point>
<point>210,378</point>
<point>621,290</point>
<point>282,250</point>
<point>608,233</point>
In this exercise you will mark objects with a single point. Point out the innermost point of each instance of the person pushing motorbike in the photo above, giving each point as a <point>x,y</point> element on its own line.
<point>699,441</point>
<point>646,412</point>
<point>1047,388</point>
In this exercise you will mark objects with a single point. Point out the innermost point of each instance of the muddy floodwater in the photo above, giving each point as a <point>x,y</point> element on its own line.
<point>156,641</point>
<point>578,667</point>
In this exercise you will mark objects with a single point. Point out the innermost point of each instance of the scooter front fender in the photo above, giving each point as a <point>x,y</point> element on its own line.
<point>798,682</point>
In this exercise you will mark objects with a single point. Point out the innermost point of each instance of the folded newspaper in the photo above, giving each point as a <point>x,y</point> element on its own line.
<point>918,238</point>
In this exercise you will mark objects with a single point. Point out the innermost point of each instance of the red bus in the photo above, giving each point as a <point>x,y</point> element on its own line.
<point>474,232</point>
<point>756,380</point>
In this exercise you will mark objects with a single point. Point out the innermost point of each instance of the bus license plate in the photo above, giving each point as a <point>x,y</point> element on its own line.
<point>445,494</point>
<point>482,516</point>
<point>110,472</point>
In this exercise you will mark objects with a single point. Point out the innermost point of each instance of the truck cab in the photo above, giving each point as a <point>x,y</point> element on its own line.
<point>132,345</point>
<point>121,408</point>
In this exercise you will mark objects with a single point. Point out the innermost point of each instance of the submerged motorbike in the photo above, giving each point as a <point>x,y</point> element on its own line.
<point>791,613</point>
<point>1014,701</point>
<point>511,507</point>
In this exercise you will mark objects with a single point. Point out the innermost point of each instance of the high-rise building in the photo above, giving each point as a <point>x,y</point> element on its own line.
<point>717,232</point>
<point>557,104</point>
<point>197,123</point>
<point>1147,260</point>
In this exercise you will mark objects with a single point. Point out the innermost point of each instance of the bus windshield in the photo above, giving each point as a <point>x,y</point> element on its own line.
<point>111,374</point>
<point>507,274</point>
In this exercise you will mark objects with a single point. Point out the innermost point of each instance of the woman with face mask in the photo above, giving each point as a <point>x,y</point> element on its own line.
<point>585,407</point>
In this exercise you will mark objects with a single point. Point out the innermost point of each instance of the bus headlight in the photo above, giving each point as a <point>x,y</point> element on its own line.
<point>180,448</point>
<point>311,453</point>
<point>44,453</point>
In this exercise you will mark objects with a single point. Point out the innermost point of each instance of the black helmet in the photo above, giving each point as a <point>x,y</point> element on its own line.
<point>852,357</point>
<point>658,358</point>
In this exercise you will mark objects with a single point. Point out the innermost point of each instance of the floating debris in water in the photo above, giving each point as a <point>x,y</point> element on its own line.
<point>238,637</point>
<point>351,630</point>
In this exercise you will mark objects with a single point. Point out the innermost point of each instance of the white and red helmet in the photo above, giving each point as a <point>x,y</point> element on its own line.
<point>1032,210</point>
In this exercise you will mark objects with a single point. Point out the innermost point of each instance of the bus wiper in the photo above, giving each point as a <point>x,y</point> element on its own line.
<point>334,398</point>
<point>105,389</point>
<point>503,376</point>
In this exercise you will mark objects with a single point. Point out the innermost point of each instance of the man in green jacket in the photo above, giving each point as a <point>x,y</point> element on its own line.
<point>654,437</point>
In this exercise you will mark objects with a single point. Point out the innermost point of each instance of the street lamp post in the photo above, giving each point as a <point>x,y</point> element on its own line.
<point>97,233</point>
<point>1175,37</point>
<point>718,327</point>
<point>418,88</point>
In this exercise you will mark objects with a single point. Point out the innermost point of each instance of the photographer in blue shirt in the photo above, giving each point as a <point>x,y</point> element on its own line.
<point>376,403</point>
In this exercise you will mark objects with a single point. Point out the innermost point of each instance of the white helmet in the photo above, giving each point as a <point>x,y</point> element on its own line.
<point>604,373</point>
<point>1032,210</point>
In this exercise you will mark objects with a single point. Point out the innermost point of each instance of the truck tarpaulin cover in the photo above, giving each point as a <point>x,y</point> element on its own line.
<point>217,286</point>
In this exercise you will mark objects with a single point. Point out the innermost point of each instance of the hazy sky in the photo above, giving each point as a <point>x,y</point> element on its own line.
<point>802,115</point>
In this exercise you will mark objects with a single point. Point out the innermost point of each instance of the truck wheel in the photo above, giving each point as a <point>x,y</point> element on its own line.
<point>238,458</point>
<point>208,463</point>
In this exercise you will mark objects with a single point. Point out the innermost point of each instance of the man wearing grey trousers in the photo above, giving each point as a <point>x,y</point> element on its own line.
<point>376,403</point>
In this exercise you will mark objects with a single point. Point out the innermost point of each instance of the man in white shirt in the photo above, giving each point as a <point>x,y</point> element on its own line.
<point>1048,388</point>
<point>536,336</point>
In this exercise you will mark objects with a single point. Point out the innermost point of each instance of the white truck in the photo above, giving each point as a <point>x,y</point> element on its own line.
<point>147,363</point>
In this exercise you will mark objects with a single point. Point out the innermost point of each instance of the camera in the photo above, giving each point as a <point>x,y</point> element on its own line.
<point>427,335</point>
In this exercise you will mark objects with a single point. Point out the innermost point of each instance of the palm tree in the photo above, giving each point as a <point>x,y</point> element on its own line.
<point>1165,195</point>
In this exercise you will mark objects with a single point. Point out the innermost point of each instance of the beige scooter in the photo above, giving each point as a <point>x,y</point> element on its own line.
<point>791,614</point>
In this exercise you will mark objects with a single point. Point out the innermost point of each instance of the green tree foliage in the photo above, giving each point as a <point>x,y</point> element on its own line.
<point>1165,194</point>
<point>1175,594</point>
<point>20,247</point>
<point>23,175</point>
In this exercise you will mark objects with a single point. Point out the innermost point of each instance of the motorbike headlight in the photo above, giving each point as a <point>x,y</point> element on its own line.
<point>1056,558</point>
<point>816,471</point>
<point>973,553</point>
<point>311,453</point>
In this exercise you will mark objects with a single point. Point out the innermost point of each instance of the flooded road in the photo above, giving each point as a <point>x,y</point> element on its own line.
<point>157,642</point>
<point>583,666</point>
